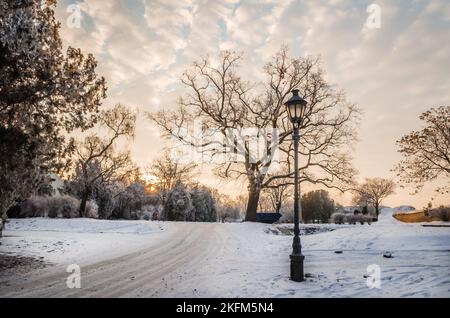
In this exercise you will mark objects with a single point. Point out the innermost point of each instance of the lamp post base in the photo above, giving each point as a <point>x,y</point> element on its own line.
<point>297,274</point>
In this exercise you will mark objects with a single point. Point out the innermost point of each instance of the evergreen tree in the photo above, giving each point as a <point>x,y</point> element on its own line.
<point>44,93</point>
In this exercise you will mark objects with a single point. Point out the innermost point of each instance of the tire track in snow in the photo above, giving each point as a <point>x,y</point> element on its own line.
<point>139,273</point>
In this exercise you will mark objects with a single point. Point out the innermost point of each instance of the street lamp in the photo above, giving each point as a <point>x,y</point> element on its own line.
<point>296,108</point>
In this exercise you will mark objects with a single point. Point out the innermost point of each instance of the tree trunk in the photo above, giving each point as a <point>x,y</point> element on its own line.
<point>3,219</point>
<point>377,209</point>
<point>252,205</point>
<point>278,209</point>
<point>83,203</point>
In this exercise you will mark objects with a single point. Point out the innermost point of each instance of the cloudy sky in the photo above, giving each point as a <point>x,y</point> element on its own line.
<point>394,72</point>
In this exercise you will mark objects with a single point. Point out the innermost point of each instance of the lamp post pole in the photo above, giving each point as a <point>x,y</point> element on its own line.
<point>297,272</point>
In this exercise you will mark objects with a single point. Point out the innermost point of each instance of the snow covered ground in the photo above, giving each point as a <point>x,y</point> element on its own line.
<point>147,259</point>
<point>62,241</point>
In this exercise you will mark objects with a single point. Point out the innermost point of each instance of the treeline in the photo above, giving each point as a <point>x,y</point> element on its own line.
<point>49,97</point>
<point>171,195</point>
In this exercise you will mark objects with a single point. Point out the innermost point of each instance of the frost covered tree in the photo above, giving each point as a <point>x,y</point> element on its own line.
<point>44,93</point>
<point>204,205</point>
<point>130,201</point>
<point>95,158</point>
<point>170,172</point>
<point>222,100</point>
<point>178,205</point>
<point>374,191</point>
<point>228,208</point>
<point>426,153</point>
<point>17,165</point>
<point>317,205</point>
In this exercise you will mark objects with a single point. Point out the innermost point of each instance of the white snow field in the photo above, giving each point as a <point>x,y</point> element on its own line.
<point>164,259</point>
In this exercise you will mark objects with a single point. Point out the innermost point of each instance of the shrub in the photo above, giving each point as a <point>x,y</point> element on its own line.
<point>204,206</point>
<point>178,205</point>
<point>368,219</point>
<point>317,206</point>
<point>338,218</point>
<point>35,206</point>
<point>104,197</point>
<point>362,219</point>
<point>350,219</point>
<point>343,218</point>
<point>131,201</point>
<point>91,210</point>
<point>56,207</point>
<point>63,207</point>
<point>148,213</point>
<point>442,213</point>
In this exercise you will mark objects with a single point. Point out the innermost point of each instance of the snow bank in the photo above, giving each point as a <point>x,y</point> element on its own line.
<point>84,226</point>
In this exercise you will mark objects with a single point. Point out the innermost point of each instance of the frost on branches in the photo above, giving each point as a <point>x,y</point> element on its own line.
<point>44,93</point>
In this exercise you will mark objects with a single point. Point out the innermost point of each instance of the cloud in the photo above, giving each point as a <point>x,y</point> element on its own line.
<point>394,73</point>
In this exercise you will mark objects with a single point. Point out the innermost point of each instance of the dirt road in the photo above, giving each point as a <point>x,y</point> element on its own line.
<point>150,272</point>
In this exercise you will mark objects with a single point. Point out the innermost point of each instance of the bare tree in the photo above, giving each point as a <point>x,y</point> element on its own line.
<point>426,153</point>
<point>224,102</point>
<point>374,191</point>
<point>96,159</point>
<point>279,191</point>
<point>170,172</point>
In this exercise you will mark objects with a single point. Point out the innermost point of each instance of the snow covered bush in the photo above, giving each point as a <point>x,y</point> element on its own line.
<point>204,206</point>
<point>361,219</point>
<point>150,212</point>
<point>104,197</point>
<point>350,219</point>
<point>63,207</point>
<point>56,207</point>
<point>178,205</point>
<point>131,201</point>
<point>343,218</point>
<point>338,218</point>
<point>91,210</point>
<point>35,206</point>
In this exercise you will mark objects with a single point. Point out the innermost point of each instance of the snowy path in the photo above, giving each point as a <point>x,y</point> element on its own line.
<point>242,260</point>
<point>138,274</point>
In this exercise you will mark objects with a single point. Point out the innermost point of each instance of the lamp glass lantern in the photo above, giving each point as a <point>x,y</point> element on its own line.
<point>296,108</point>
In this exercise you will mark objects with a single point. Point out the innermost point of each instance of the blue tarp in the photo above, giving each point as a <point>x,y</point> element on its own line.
<point>269,218</point>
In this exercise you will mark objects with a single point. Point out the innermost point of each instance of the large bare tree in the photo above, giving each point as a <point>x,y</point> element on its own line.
<point>426,153</point>
<point>224,102</point>
<point>95,158</point>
